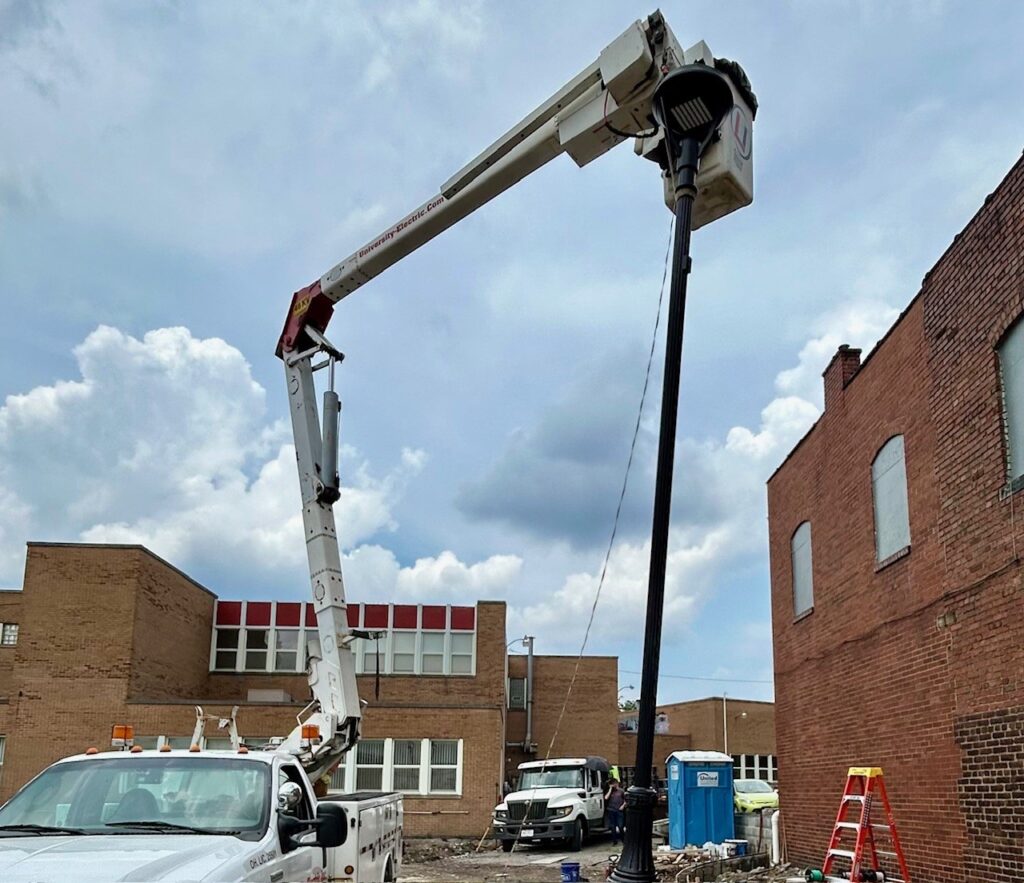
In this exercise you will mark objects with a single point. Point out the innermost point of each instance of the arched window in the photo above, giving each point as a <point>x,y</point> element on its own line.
<point>889,490</point>
<point>1011,370</point>
<point>803,583</point>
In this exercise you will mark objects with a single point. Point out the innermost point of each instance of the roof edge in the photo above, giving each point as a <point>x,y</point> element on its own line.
<point>135,547</point>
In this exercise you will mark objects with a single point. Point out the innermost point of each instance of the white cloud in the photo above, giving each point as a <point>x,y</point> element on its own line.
<point>446,576</point>
<point>165,441</point>
<point>443,578</point>
<point>860,323</point>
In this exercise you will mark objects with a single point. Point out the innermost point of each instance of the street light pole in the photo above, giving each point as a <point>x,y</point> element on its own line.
<point>689,105</point>
<point>725,726</point>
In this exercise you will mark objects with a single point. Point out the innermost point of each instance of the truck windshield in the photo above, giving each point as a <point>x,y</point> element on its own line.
<point>209,795</point>
<point>570,777</point>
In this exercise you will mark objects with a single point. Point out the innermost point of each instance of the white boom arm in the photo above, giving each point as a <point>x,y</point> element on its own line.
<point>604,104</point>
<point>607,102</point>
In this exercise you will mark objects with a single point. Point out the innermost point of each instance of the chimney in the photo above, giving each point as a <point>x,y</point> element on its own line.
<point>840,371</point>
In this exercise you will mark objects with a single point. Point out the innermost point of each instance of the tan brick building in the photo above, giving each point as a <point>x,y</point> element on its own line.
<point>104,634</point>
<point>896,573</point>
<point>744,728</point>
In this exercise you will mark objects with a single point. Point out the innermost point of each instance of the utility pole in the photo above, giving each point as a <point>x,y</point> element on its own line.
<point>689,104</point>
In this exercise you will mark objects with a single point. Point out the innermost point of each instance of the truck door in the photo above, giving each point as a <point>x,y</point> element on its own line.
<point>595,799</point>
<point>303,862</point>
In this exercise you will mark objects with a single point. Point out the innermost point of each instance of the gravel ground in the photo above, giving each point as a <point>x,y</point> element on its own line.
<point>454,861</point>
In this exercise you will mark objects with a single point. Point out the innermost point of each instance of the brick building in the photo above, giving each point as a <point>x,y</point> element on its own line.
<point>744,728</point>
<point>895,531</point>
<point>105,634</point>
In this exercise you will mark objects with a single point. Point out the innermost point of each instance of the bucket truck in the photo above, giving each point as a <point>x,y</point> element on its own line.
<point>248,814</point>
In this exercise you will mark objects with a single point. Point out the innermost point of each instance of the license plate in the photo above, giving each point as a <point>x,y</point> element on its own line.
<point>526,832</point>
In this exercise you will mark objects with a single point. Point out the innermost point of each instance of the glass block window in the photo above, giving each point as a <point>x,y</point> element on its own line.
<point>8,634</point>
<point>444,765</point>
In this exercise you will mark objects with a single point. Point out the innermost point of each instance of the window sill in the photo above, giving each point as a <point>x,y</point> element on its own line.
<point>892,559</point>
<point>802,616</point>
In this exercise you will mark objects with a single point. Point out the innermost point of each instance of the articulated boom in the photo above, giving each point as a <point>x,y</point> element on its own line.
<point>607,102</point>
<point>335,707</point>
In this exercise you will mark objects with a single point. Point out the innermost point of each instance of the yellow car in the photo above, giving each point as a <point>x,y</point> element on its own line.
<point>750,795</point>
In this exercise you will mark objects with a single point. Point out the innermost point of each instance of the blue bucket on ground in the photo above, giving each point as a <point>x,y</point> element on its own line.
<point>570,872</point>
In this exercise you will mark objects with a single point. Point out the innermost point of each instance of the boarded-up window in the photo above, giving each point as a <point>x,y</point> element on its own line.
<point>889,490</point>
<point>803,586</point>
<point>1011,367</point>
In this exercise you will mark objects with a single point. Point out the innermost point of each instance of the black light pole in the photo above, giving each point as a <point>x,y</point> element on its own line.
<point>689,105</point>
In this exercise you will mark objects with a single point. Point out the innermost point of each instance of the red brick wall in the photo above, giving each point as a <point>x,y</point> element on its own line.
<point>895,664</point>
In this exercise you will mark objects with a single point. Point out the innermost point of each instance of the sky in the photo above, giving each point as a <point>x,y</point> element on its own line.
<point>170,172</point>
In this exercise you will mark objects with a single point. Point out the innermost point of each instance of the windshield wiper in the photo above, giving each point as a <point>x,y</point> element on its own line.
<point>41,829</point>
<point>169,827</point>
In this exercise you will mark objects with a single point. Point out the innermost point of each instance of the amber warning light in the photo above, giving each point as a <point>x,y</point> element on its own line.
<point>122,736</point>
<point>310,733</point>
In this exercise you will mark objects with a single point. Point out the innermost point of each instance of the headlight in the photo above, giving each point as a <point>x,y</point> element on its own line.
<point>501,813</point>
<point>561,812</point>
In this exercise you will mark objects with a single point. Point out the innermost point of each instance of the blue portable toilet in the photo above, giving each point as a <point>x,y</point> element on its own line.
<point>700,798</point>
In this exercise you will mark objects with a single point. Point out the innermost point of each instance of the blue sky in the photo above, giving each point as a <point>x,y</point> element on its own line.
<point>171,172</point>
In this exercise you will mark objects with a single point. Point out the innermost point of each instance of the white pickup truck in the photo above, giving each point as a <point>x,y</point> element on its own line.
<point>558,799</point>
<point>193,816</point>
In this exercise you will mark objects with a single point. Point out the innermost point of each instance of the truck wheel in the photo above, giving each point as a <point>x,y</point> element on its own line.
<point>576,838</point>
<point>507,845</point>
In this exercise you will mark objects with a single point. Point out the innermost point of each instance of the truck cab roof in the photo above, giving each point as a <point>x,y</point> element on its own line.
<point>252,754</point>
<point>590,763</point>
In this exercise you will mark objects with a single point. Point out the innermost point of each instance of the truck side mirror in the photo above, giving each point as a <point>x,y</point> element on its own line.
<point>289,796</point>
<point>332,826</point>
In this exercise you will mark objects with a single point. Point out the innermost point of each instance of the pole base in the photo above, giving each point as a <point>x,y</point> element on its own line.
<point>636,862</point>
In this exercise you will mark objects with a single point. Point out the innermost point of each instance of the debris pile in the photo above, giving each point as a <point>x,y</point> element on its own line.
<point>697,864</point>
<point>434,849</point>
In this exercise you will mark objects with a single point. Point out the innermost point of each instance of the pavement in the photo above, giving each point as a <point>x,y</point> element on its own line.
<point>528,863</point>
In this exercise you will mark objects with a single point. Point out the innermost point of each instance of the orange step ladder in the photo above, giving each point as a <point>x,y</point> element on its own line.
<point>865,785</point>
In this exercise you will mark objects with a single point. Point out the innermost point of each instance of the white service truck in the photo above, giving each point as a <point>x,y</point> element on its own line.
<point>561,799</point>
<point>193,816</point>
<point>155,815</point>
